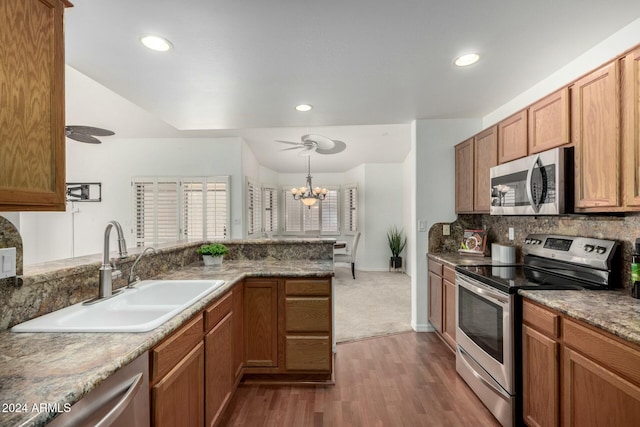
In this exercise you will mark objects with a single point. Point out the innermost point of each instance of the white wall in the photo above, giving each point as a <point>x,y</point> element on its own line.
<point>383,207</point>
<point>621,41</point>
<point>48,235</point>
<point>434,195</point>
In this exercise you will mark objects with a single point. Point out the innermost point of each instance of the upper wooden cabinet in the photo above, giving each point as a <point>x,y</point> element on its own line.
<point>464,176</point>
<point>485,157</point>
<point>548,122</point>
<point>595,120</point>
<point>512,137</point>
<point>630,129</point>
<point>32,139</point>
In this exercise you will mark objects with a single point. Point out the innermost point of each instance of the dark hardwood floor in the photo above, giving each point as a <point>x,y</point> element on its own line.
<point>407,379</point>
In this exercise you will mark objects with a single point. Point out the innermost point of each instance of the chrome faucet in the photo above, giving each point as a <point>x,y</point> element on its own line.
<point>132,277</point>
<point>105,286</point>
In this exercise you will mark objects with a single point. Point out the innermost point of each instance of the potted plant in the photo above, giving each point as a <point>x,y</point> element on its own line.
<point>397,242</point>
<point>212,254</point>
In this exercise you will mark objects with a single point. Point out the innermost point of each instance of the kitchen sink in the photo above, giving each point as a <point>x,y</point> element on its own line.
<point>139,309</point>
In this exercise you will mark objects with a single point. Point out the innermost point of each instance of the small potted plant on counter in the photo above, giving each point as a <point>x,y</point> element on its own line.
<point>397,242</point>
<point>212,254</point>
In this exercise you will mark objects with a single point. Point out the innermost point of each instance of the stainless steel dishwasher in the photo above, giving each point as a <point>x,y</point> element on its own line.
<point>121,400</point>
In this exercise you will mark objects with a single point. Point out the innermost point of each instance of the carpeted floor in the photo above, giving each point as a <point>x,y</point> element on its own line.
<point>374,304</point>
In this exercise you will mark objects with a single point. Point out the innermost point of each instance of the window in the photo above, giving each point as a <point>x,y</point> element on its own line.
<point>270,209</point>
<point>350,208</point>
<point>321,218</point>
<point>169,209</point>
<point>254,209</point>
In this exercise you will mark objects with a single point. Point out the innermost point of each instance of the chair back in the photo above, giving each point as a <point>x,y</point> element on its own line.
<point>354,245</point>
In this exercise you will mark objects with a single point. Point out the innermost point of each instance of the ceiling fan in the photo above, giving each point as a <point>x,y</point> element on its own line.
<point>86,133</point>
<point>315,144</point>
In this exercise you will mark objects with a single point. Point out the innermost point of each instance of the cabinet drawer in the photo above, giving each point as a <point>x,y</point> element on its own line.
<point>610,352</point>
<point>311,287</point>
<point>308,314</point>
<point>218,311</point>
<point>449,274</point>
<point>435,267</point>
<point>308,353</point>
<point>167,354</point>
<point>544,320</point>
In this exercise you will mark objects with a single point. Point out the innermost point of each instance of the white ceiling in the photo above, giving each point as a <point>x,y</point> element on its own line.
<point>239,67</point>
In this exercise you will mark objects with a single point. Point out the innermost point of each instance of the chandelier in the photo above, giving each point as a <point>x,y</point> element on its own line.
<point>309,195</point>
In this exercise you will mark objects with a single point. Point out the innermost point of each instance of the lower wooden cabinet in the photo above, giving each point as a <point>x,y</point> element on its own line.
<point>219,369</point>
<point>442,301</point>
<point>261,322</point>
<point>238,331</point>
<point>575,374</point>
<point>540,378</point>
<point>178,398</point>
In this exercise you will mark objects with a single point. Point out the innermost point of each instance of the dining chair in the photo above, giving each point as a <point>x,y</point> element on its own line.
<point>350,255</point>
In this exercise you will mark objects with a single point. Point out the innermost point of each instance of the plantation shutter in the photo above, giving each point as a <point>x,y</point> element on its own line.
<point>254,209</point>
<point>292,213</point>
<point>329,213</point>
<point>350,208</point>
<point>270,212</point>
<point>311,218</point>
<point>174,209</point>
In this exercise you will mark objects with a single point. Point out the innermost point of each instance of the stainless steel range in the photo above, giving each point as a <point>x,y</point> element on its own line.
<point>489,314</point>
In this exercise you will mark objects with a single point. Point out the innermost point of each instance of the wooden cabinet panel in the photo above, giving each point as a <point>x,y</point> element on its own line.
<point>261,322</point>
<point>464,176</point>
<point>435,267</point>
<point>307,314</point>
<point>178,399</point>
<point>32,139</point>
<point>631,129</point>
<point>449,312</point>
<point>595,396</point>
<point>449,274</point>
<point>486,156</point>
<point>435,301</point>
<point>512,137</point>
<point>540,378</point>
<point>595,118</point>
<point>167,354</point>
<point>238,330</point>
<point>617,356</point>
<point>543,319</point>
<point>218,311</point>
<point>308,353</point>
<point>219,369</point>
<point>548,122</point>
<point>308,287</point>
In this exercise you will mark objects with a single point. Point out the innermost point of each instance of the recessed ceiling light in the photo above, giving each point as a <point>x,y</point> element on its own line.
<point>468,59</point>
<point>304,107</point>
<point>156,43</point>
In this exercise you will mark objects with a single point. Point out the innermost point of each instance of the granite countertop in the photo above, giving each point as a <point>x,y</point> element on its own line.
<point>60,368</point>
<point>612,311</point>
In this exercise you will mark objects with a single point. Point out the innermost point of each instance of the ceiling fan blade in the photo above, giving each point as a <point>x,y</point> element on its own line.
<point>307,151</point>
<point>292,148</point>
<point>289,142</point>
<point>338,147</point>
<point>321,141</point>
<point>89,130</point>
<point>84,138</point>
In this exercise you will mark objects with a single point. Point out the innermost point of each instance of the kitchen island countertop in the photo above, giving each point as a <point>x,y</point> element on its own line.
<point>60,368</point>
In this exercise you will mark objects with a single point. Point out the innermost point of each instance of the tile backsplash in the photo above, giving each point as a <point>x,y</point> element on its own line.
<point>624,229</point>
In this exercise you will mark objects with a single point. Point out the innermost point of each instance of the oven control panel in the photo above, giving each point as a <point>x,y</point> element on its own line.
<point>596,253</point>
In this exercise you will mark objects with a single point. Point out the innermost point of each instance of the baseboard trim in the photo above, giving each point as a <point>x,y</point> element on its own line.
<point>423,327</point>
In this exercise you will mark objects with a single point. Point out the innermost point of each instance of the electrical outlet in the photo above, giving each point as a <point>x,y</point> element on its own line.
<point>512,234</point>
<point>446,229</point>
<point>7,262</point>
<point>422,225</point>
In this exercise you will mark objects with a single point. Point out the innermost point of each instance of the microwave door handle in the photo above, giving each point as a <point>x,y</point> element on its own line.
<point>534,203</point>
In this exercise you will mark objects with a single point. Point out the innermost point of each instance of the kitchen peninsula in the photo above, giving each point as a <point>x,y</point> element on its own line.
<point>60,368</point>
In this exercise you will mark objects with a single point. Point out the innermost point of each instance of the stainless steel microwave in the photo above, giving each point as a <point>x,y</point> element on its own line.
<point>541,184</point>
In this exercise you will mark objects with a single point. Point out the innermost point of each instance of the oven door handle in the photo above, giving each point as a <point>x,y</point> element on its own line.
<point>497,298</point>
<point>489,382</point>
